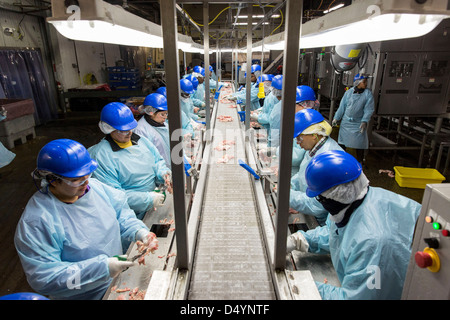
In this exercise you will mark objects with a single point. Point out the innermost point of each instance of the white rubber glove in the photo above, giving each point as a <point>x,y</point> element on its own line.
<point>334,123</point>
<point>203,105</point>
<point>254,116</point>
<point>115,266</point>
<point>362,127</point>
<point>158,199</point>
<point>297,241</point>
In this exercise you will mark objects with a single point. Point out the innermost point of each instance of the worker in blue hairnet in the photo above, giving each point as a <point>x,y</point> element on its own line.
<point>242,95</point>
<point>368,233</point>
<point>305,98</point>
<point>312,132</point>
<point>355,110</point>
<point>73,227</point>
<point>186,103</point>
<point>186,125</point>
<point>153,125</point>
<point>129,162</point>
<point>199,94</point>
<point>262,116</point>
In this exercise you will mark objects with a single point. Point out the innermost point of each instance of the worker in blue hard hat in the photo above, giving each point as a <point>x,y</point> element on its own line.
<point>72,228</point>
<point>242,95</point>
<point>368,232</point>
<point>355,110</point>
<point>153,124</point>
<point>188,130</point>
<point>262,114</point>
<point>186,103</point>
<point>196,100</point>
<point>128,161</point>
<point>312,133</point>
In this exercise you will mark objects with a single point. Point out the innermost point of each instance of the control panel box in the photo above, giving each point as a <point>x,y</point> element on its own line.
<point>428,275</point>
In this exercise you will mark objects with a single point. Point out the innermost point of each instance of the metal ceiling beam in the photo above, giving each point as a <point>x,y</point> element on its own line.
<point>269,14</point>
<point>185,16</point>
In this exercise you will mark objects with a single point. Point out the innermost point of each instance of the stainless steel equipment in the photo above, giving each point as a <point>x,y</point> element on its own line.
<point>428,275</point>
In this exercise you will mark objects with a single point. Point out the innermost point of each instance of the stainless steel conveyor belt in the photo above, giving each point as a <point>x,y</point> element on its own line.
<point>230,259</point>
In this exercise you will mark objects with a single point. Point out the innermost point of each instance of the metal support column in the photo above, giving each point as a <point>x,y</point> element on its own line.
<point>206,58</point>
<point>294,11</point>
<point>249,69</point>
<point>169,29</point>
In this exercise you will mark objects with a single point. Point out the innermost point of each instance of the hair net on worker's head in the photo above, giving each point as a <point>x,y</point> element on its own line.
<point>348,192</point>
<point>310,104</point>
<point>147,109</point>
<point>105,128</point>
<point>277,92</point>
<point>43,176</point>
<point>321,128</point>
<point>197,75</point>
<point>257,73</point>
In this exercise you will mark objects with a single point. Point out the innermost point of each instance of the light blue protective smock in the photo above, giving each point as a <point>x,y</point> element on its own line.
<point>274,123</point>
<point>354,109</point>
<point>159,136</point>
<point>137,170</point>
<point>297,156</point>
<point>187,106</point>
<point>254,100</point>
<point>298,200</point>
<point>6,156</point>
<point>371,253</point>
<point>263,117</point>
<point>64,247</point>
<point>199,94</point>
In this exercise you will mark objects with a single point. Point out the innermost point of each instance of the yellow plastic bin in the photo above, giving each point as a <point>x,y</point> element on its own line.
<point>417,177</point>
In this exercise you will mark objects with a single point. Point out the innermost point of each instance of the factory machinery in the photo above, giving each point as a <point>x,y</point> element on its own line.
<point>410,82</point>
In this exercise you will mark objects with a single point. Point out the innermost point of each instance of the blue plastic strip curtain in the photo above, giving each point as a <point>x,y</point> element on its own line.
<point>23,76</point>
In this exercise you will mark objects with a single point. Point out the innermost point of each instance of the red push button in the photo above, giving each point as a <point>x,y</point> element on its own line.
<point>445,233</point>
<point>423,259</point>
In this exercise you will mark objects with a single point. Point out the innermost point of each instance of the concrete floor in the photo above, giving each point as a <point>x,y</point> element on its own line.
<point>16,185</point>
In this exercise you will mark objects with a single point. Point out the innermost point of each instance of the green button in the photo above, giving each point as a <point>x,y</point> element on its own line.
<point>436,225</point>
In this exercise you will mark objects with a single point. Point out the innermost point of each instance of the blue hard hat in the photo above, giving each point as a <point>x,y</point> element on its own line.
<point>211,68</point>
<point>329,169</point>
<point>277,82</point>
<point>186,86</point>
<point>255,67</point>
<point>162,90</point>
<point>118,116</point>
<point>305,93</point>
<point>23,296</point>
<point>157,101</point>
<point>306,118</point>
<point>194,81</point>
<point>197,69</point>
<point>66,158</point>
<point>359,77</point>
<point>264,77</point>
<point>202,72</point>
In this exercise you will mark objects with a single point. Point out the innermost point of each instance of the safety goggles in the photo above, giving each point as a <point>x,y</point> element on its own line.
<point>124,133</point>
<point>76,183</point>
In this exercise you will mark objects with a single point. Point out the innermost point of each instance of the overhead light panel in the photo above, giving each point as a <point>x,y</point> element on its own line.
<point>99,21</point>
<point>334,8</point>
<point>374,20</point>
<point>368,21</point>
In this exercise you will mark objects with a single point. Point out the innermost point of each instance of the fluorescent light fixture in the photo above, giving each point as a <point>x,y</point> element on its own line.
<point>256,16</point>
<point>334,8</point>
<point>245,23</point>
<point>368,21</point>
<point>99,21</point>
